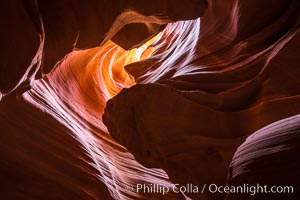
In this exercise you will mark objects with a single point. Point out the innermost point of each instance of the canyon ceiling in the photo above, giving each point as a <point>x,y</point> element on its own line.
<point>98,96</point>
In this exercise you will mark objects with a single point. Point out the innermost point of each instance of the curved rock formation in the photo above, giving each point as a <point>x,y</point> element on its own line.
<point>53,29</point>
<point>80,116</point>
<point>269,157</point>
<point>204,103</point>
<point>99,96</point>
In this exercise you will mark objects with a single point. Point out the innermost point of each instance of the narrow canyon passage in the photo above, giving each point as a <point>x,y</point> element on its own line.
<point>104,97</point>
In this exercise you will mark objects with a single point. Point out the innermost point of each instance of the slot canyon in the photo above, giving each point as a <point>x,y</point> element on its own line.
<point>149,99</point>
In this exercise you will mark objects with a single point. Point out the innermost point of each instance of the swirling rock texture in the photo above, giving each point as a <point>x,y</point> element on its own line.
<point>98,96</point>
<point>268,157</point>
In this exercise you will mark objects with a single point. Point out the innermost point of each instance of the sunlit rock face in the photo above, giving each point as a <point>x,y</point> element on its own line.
<point>48,30</point>
<point>99,96</point>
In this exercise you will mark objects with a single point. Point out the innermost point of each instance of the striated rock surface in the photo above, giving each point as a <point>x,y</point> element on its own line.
<point>269,157</point>
<point>47,30</point>
<point>99,96</point>
<point>189,114</point>
<point>41,159</point>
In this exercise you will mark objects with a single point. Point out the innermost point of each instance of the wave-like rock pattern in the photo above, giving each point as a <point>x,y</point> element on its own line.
<point>203,86</point>
<point>189,114</point>
<point>48,30</point>
<point>269,157</point>
<point>76,101</point>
